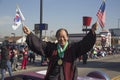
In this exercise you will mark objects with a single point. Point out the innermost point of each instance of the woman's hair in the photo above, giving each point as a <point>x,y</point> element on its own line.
<point>57,32</point>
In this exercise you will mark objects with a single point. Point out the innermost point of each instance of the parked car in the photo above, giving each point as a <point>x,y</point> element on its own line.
<point>39,75</point>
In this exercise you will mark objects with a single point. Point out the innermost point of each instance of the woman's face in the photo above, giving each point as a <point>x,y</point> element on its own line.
<point>62,37</point>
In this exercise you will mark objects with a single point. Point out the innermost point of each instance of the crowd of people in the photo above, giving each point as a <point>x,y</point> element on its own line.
<point>98,52</point>
<point>102,52</point>
<point>12,59</point>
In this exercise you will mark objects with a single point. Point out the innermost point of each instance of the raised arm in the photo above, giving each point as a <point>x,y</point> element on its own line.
<point>87,43</point>
<point>34,43</point>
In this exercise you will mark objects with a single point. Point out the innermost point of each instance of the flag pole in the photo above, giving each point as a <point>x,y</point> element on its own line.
<point>101,27</point>
<point>22,21</point>
<point>22,32</point>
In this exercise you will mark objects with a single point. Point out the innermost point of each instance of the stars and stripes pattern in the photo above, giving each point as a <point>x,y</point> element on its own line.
<point>101,14</point>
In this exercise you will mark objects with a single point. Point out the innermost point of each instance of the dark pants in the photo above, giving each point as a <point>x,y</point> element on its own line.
<point>85,57</point>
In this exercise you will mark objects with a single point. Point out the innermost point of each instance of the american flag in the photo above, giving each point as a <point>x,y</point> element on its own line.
<point>101,14</point>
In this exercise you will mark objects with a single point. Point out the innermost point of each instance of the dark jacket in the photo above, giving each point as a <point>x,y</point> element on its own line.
<point>69,69</point>
<point>4,56</point>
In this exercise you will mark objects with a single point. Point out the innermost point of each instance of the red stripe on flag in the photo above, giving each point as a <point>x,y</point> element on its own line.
<point>101,15</point>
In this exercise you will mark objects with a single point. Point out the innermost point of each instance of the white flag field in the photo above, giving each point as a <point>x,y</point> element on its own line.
<point>18,19</point>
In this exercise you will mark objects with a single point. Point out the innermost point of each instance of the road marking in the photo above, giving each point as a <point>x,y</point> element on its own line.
<point>116,78</point>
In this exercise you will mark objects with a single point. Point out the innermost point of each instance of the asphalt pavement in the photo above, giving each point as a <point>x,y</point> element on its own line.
<point>108,64</point>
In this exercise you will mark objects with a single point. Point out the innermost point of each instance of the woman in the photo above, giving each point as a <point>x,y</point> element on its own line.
<point>62,55</point>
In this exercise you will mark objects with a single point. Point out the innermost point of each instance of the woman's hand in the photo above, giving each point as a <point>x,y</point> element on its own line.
<point>26,30</point>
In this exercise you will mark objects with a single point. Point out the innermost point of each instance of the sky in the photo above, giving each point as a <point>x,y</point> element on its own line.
<point>57,14</point>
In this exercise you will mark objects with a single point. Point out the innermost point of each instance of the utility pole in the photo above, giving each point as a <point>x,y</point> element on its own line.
<point>41,14</point>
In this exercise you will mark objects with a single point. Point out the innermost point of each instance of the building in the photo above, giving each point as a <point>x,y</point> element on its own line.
<point>16,39</point>
<point>115,33</point>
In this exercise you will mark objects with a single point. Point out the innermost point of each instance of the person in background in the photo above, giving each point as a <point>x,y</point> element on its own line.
<point>95,53</point>
<point>5,60</point>
<point>11,55</point>
<point>15,59</point>
<point>62,55</point>
<point>31,56</point>
<point>25,58</point>
<point>84,58</point>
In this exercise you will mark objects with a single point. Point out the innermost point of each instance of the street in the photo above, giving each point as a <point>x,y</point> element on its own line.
<point>109,64</point>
